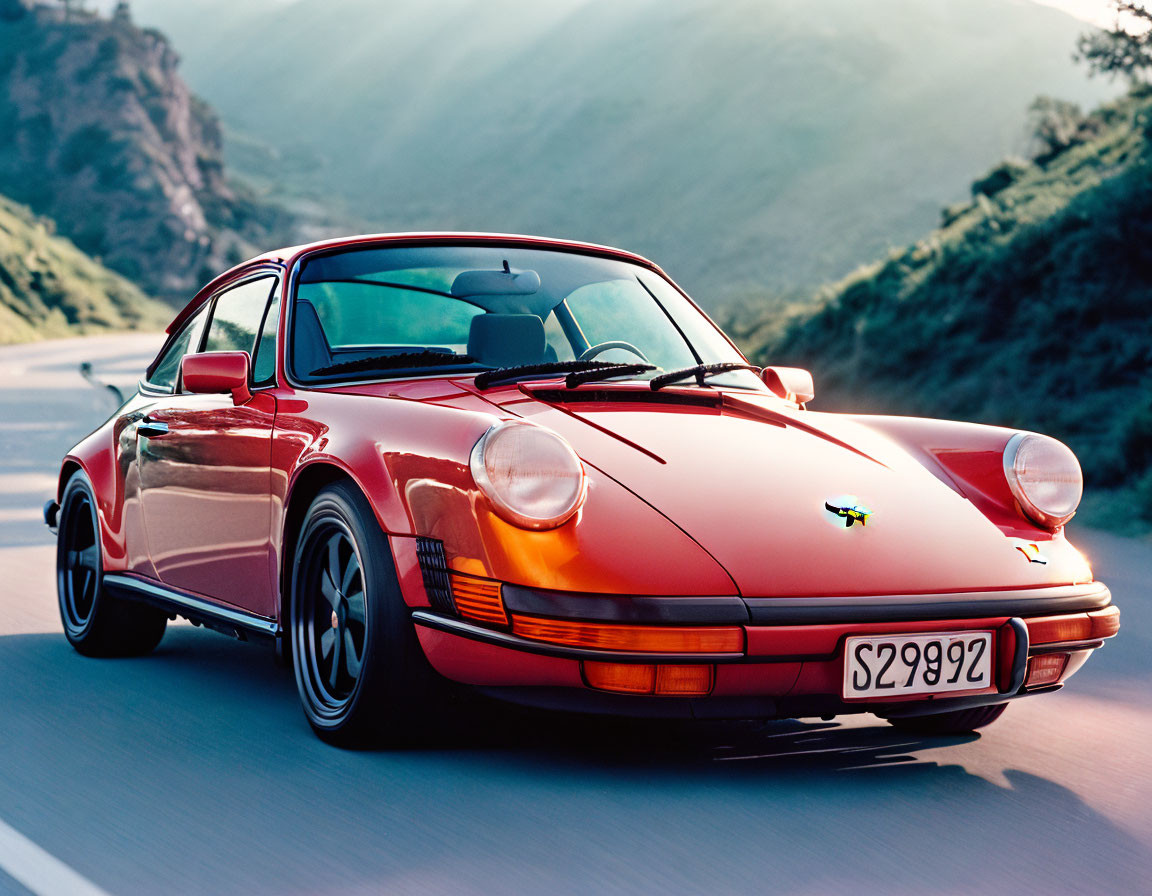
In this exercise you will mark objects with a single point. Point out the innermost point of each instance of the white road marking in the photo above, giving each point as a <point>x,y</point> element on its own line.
<point>21,514</point>
<point>40,871</point>
<point>28,483</point>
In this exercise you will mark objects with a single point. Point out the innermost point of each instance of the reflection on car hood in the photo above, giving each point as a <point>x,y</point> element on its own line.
<point>752,482</point>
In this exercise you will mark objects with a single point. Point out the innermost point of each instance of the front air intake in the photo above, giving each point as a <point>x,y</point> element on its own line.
<point>434,569</point>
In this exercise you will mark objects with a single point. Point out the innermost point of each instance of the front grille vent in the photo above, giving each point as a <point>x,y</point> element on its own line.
<point>434,568</point>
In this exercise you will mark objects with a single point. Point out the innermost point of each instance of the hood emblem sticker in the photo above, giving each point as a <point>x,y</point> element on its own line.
<point>1031,551</point>
<point>849,510</point>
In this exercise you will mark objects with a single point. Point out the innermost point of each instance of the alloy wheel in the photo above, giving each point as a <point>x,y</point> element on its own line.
<point>331,616</point>
<point>79,561</point>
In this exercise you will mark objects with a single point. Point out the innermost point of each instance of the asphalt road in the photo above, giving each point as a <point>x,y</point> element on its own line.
<point>194,771</point>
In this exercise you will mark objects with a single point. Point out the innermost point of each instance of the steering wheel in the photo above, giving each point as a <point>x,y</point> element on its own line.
<point>607,346</point>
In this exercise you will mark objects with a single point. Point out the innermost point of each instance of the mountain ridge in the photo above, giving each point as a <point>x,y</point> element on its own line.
<point>104,137</point>
<point>745,146</point>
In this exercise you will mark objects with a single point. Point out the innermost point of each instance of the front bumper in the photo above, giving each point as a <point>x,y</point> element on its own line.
<point>791,661</point>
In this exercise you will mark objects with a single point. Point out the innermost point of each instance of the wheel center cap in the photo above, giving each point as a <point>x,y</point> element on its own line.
<point>335,620</point>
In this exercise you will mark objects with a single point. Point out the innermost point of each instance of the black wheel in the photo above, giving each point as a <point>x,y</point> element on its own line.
<point>961,721</point>
<point>359,669</point>
<point>95,623</point>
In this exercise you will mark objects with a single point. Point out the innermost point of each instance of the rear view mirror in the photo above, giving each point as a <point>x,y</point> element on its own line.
<point>209,373</point>
<point>790,383</point>
<point>496,283</point>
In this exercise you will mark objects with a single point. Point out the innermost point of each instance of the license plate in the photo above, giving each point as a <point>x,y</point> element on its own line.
<point>902,665</point>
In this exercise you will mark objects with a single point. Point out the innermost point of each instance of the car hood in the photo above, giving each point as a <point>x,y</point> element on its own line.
<point>751,480</point>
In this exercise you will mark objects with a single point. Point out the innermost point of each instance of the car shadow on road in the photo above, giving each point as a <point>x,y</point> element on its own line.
<point>194,668</point>
<point>466,722</point>
<point>205,739</point>
<point>490,727</point>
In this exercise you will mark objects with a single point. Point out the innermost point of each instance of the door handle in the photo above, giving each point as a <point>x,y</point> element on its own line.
<point>151,428</point>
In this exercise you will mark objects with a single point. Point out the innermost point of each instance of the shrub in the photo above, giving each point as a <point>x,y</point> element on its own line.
<point>999,178</point>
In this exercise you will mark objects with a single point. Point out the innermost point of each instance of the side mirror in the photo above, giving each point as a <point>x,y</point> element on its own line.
<point>790,383</point>
<point>210,373</point>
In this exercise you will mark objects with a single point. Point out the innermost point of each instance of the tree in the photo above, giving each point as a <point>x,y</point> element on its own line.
<point>1125,49</point>
<point>72,7</point>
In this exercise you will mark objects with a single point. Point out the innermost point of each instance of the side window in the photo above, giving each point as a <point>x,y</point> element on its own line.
<point>264,361</point>
<point>166,372</point>
<point>237,317</point>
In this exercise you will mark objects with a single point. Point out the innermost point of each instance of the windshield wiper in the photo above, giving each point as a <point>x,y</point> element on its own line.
<point>590,376</point>
<point>700,371</point>
<point>527,371</point>
<point>426,358</point>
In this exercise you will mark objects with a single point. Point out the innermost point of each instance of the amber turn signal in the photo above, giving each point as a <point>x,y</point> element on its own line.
<point>1081,627</point>
<point>632,678</point>
<point>479,599</point>
<point>624,678</point>
<point>633,638</point>
<point>1105,623</point>
<point>684,680</point>
<point>1045,669</point>
<point>1054,629</point>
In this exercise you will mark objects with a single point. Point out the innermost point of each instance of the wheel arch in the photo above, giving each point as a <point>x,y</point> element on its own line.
<point>68,469</point>
<point>111,534</point>
<point>309,481</point>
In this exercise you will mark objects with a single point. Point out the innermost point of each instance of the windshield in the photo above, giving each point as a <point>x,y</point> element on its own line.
<point>415,311</point>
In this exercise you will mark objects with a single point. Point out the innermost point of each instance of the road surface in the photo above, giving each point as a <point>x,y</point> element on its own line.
<point>194,771</point>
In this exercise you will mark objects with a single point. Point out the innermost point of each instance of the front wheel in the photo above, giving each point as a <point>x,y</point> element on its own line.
<point>960,721</point>
<point>361,675</point>
<point>95,623</point>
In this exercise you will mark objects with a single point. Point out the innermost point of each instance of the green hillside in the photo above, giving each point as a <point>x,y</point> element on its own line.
<point>50,288</point>
<point>743,145</point>
<point>1032,307</point>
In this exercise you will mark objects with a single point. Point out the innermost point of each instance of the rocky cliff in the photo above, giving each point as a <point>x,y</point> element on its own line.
<point>99,132</point>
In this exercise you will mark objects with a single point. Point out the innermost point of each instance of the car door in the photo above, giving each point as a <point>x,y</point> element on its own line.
<point>155,388</point>
<point>205,465</point>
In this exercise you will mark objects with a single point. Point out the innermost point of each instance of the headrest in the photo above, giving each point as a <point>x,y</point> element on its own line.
<point>506,340</point>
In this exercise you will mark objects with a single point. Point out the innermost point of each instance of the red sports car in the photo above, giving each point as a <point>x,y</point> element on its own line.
<point>537,468</point>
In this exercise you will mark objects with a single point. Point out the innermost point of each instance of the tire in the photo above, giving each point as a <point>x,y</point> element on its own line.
<point>95,623</point>
<point>361,675</point>
<point>961,721</point>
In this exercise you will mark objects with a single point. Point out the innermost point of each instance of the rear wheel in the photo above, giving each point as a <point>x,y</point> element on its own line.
<point>95,623</point>
<point>961,721</point>
<point>360,672</point>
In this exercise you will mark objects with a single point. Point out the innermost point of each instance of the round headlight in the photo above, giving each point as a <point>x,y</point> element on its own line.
<point>532,476</point>
<point>1045,478</point>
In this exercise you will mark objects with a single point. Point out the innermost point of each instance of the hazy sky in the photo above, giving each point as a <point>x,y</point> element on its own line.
<point>1099,12</point>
